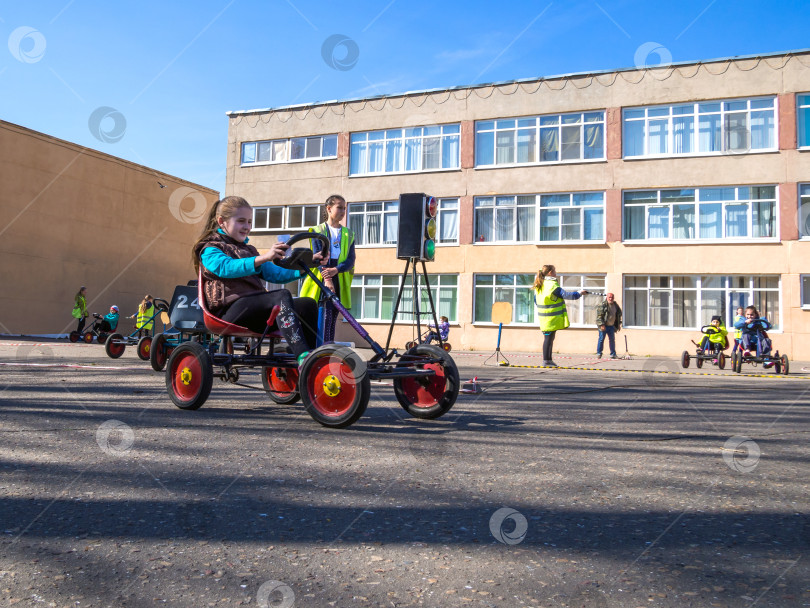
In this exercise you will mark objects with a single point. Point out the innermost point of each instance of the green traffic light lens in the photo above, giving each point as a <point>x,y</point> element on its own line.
<point>430,250</point>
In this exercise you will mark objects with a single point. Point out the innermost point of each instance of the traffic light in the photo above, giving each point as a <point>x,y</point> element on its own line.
<point>417,227</point>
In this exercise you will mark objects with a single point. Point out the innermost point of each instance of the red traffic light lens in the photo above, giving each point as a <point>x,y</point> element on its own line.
<point>431,206</point>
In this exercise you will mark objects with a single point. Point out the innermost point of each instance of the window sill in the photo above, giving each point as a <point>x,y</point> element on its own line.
<point>556,163</point>
<point>538,243</point>
<point>421,171</point>
<point>744,241</point>
<point>286,162</point>
<point>700,155</point>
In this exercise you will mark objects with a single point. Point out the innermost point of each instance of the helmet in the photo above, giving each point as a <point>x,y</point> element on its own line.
<point>113,308</point>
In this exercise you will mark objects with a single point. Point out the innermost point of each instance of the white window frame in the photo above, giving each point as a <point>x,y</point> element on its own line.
<point>667,113</point>
<point>804,211</point>
<point>311,143</point>
<point>360,227</point>
<point>697,195</point>
<point>525,287</point>
<point>804,291</point>
<point>375,284</point>
<point>534,127</point>
<point>803,120</point>
<point>446,209</point>
<point>582,312</point>
<point>502,205</point>
<point>737,290</point>
<point>400,138</point>
<point>285,217</point>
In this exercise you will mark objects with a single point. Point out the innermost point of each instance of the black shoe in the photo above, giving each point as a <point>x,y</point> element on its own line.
<point>549,364</point>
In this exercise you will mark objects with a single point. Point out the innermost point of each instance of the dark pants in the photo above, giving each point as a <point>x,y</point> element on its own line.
<point>610,332</point>
<point>297,320</point>
<point>330,313</point>
<point>548,344</point>
<point>81,324</point>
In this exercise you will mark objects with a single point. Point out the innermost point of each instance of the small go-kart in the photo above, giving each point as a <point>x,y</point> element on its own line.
<point>333,381</point>
<point>187,323</point>
<point>94,330</point>
<point>429,337</point>
<point>763,354</point>
<point>117,343</point>
<point>713,353</point>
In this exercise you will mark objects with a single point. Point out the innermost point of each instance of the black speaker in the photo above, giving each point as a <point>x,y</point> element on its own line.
<point>417,227</point>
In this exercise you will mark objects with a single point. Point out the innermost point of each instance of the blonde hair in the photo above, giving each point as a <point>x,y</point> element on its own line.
<point>146,299</point>
<point>541,275</point>
<point>225,208</point>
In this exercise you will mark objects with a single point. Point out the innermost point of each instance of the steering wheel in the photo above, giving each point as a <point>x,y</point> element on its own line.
<point>709,330</point>
<point>301,257</point>
<point>161,304</point>
<point>763,324</point>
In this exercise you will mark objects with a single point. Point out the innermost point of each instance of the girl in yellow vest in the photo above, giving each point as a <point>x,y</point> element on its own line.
<point>339,269</point>
<point>146,311</point>
<point>550,298</point>
<point>80,307</point>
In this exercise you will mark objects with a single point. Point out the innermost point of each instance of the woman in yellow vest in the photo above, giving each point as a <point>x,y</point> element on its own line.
<point>338,272</point>
<point>550,301</point>
<point>144,322</point>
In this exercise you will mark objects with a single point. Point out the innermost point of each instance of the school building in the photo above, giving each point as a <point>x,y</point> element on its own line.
<point>683,189</point>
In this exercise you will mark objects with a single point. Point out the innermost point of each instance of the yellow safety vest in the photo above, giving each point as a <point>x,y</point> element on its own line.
<point>550,309</point>
<point>311,290</point>
<point>144,316</point>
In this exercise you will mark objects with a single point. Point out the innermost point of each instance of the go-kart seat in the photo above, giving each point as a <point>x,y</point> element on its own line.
<point>218,327</point>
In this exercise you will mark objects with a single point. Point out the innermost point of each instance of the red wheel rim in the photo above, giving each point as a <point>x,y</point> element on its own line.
<point>186,376</point>
<point>116,349</point>
<point>332,386</point>
<point>88,338</point>
<point>281,380</point>
<point>144,347</point>
<point>425,391</point>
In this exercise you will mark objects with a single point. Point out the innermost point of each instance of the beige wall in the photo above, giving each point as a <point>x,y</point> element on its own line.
<point>310,182</point>
<point>74,216</point>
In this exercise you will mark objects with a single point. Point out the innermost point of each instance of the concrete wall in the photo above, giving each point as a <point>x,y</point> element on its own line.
<point>310,182</point>
<point>74,216</point>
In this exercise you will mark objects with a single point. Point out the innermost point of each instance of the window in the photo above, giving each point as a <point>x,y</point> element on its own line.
<point>582,312</point>
<point>803,110</point>
<point>377,223</point>
<point>805,278</point>
<point>374,223</point>
<point>513,288</point>
<point>540,139</point>
<point>279,217</point>
<point>804,210</point>
<point>447,222</point>
<point>316,147</point>
<point>569,216</point>
<point>374,297</point>
<point>689,302</point>
<point>717,127</point>
<point>405,150</point>
<point>734,212</point>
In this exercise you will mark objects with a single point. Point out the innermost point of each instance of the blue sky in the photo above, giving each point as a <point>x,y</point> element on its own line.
<point>151,81</point>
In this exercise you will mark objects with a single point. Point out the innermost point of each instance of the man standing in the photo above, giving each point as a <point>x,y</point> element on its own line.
<point>609,321</point>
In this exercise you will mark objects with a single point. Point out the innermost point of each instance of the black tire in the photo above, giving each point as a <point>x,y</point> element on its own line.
<point>736,363</point>
<point>446,346</point>
<point>281,384</point>
<point>88,338</point>
<point>429,397</point>
<point>784,363</point>
<point>74,336</point>
<point>189,376</point>
<point>144,348</point>
<point>699,362</point>
<point>685,359</point>
<point>114,346</point>
<point>158,353</point>
<point>721,360</point>
<point>410,345</point>
<point>334,385</point>
<point>102,337</point>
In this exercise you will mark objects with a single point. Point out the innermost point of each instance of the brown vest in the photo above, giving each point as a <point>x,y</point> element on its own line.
<point>221,293</point>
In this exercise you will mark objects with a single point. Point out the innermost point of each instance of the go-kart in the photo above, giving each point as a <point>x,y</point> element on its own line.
<point>428,338</point>
<point>333,381</point>
<point>766,356</point>
<point>714,353</point>
<point>117,343</point>
<point>94,330</point>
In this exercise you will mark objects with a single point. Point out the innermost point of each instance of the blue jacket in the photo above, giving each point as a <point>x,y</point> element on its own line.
<point>220,264</point>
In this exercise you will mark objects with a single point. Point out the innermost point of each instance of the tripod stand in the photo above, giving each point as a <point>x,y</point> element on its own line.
<point>410,264</point>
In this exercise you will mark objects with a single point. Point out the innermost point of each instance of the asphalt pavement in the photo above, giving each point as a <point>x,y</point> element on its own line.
<point>603,483</point>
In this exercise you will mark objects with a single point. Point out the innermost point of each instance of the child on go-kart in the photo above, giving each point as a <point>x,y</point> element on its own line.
<point>752,332</point>
<point>109,322</point>
<point>444,331</point>
<point>714,337</point>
